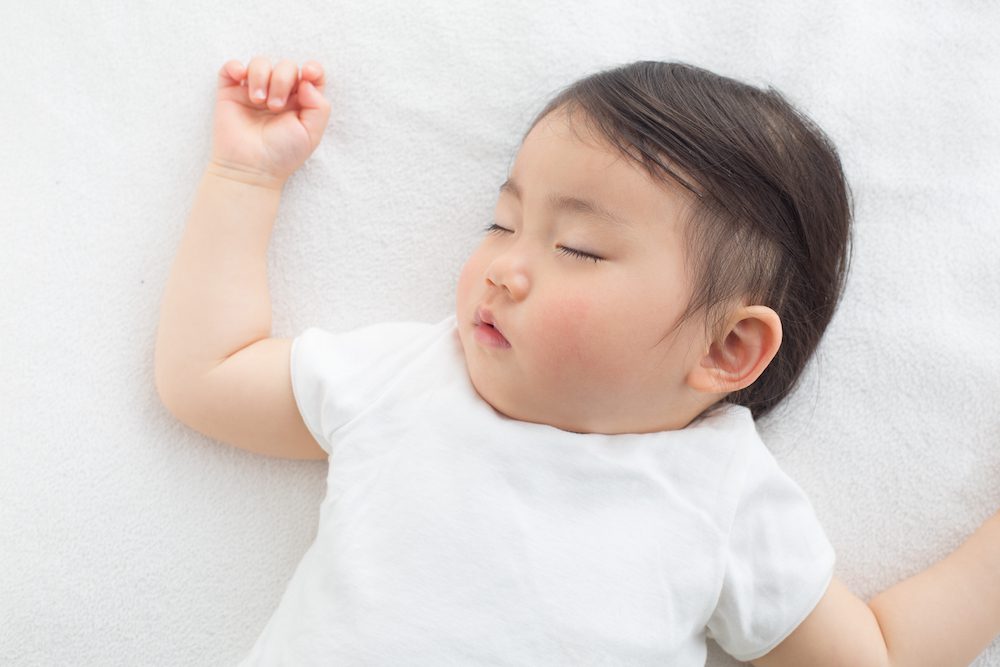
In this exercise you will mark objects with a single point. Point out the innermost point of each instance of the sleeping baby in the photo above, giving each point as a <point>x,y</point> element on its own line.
<point>565,470</point>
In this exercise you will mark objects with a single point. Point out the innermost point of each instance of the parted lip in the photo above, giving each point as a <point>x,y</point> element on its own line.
<point>484,316</point>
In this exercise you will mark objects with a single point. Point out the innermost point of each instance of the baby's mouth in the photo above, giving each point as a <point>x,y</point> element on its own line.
<point>497,332</point>
<point>486,330</point>
<point>493,326</point>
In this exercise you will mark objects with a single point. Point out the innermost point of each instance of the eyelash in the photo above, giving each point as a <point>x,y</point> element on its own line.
<point>495,228</point>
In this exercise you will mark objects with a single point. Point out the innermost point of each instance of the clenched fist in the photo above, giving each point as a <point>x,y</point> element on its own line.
<point>268,121</point>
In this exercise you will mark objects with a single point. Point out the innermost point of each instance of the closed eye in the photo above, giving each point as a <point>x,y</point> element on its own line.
<point>576,253</point>
<point>496,229</point>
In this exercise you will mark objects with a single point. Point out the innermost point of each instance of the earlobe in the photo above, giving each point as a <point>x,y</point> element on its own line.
<point>746,347</point>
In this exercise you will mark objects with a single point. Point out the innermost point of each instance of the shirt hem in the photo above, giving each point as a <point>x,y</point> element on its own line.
<point>747,657</point>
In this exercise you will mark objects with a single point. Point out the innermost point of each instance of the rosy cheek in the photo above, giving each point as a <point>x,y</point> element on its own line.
<point>587,343</point>
<point>564,331</point>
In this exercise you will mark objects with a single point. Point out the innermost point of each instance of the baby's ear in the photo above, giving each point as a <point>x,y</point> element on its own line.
<point>748,344</point>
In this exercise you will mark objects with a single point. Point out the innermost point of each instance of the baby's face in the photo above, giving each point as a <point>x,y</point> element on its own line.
<point>588,346</point>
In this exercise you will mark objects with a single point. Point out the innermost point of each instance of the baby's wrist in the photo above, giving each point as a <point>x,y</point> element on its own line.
<point>244,175</point>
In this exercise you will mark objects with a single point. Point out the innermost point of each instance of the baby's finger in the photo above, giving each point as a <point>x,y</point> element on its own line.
<point>315,111</point>
<point>312,71</point>
<point>258,79</point>
<point>284,76</point>
<point>231,73</point>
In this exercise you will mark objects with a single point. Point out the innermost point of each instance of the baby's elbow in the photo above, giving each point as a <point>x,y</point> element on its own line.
<point>173,394</point>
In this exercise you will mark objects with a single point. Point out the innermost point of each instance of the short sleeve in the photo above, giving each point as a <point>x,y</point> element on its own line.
<point>779,562</point>
<point>335,376</point>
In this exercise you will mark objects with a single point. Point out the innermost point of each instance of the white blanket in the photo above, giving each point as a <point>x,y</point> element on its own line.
<point>128,538</point>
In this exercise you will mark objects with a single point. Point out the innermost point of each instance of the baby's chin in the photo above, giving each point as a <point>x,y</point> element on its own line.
<point>508,397</point>
<point>511,404</point>
<point>490,389</point>
<point>484,386</point>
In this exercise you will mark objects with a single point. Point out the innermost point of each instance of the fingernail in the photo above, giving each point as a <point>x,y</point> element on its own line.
<point>260,94</point>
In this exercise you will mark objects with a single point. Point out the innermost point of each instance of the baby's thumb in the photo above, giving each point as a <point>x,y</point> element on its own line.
<point>314,112</point>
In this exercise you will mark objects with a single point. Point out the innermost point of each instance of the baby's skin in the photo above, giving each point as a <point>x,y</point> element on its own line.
<point>220,371</point>
<point>268,121</point>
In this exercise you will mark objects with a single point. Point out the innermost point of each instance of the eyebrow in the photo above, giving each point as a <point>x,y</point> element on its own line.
<point>574,204</point>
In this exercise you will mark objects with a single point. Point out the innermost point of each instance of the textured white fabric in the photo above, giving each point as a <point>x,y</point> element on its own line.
<point>128,538</point>
<point>453,535</point>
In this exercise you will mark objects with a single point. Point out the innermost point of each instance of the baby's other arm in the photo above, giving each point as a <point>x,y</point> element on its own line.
<point>944,616</point>
<point>217,369</point>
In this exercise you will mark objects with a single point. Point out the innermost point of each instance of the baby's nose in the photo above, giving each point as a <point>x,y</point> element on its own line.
<point>511,276</point>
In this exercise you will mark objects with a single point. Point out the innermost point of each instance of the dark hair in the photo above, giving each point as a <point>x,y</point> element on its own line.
<point>772,218</point>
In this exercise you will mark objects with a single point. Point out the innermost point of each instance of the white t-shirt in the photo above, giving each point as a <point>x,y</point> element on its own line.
<point>453,535</point>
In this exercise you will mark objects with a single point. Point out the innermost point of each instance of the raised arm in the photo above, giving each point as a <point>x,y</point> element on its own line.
<point>216,367</point>
<point>944,616</point>
<point>216,301</point>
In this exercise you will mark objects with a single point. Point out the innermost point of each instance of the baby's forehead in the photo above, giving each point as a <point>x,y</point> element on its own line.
<point>573,150</point>
<point>559,164</point>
